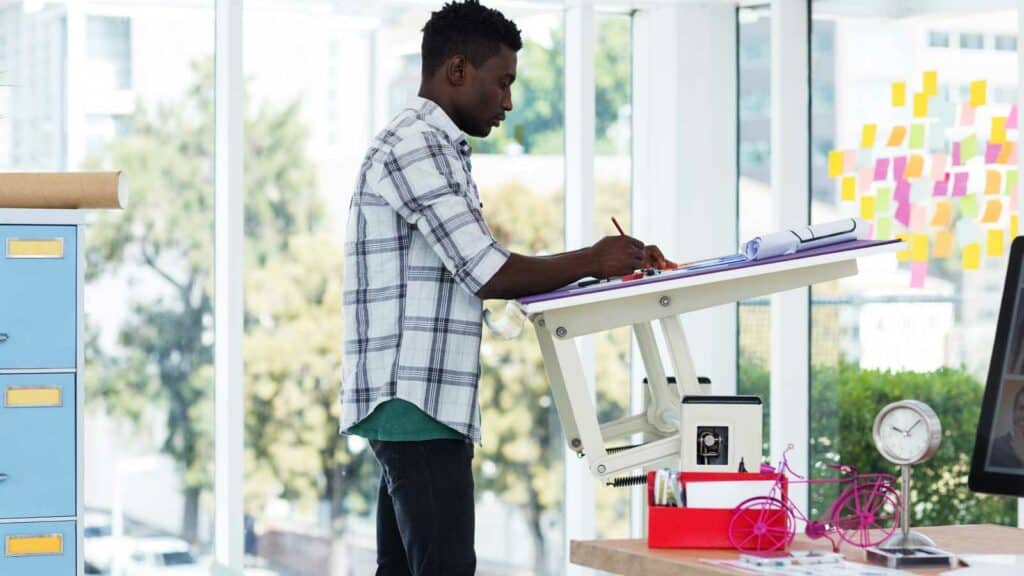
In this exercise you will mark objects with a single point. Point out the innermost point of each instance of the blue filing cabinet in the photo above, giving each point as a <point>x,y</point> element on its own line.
<point>40,393</point>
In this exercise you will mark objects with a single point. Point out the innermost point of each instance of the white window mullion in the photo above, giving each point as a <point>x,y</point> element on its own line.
<point>580,31</point>
<point>1020,168</point>
<point>228,289</point>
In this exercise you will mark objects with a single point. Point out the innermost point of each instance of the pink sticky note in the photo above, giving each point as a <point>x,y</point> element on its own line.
<point>881,169</point>
<point>918,272</point>
<point>918,216</point>
<point>903,213</point>
<point>1011,120</point>
<point>992,152</point>
<point>960,184</point>
<point>1012,160</point>
<point>902,194</point>
<point>871,230</point>
<point>938,166</point>
<point>941,188</point>
<point>864,179</point>
<point>849,161</point>
<point>1013,202</point>
<point>899,166</point>
<point>966,115</point>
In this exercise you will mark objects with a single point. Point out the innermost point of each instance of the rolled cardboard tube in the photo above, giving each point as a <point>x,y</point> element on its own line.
<point>64,190</point>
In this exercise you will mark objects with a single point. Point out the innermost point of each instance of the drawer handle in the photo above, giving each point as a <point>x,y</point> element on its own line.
<point>3,337</point>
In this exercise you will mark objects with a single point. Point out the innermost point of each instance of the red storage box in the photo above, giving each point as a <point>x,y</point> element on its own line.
<point>672,527</point>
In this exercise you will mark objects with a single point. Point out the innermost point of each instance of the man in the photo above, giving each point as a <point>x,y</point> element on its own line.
<point>419,260</point>
<point>1008,449</point>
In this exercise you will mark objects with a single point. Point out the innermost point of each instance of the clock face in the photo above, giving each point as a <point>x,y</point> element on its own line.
<point>905,434</point>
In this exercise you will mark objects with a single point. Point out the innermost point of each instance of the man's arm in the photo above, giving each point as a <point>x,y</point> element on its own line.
<point>611,256</point>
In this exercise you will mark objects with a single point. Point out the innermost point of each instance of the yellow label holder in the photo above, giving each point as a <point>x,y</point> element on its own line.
<point>33,397</point>
<point>35,247</point>
<point>38,545</point>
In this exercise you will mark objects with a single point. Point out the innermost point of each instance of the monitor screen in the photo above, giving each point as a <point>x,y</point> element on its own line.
<point>998,462</point>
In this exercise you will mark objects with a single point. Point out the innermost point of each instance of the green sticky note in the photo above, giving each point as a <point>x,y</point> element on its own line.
<point>1011,181</point>
<point>969,206</point>
<point>883,231</point>
<point>916,136</point>
<point>884,198</point>
<point>968,148</point>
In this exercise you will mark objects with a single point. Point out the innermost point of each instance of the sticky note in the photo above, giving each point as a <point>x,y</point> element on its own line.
<point>993,209</point>
<point>903,213</point>
<point>920,105</point>
<point>915,166</point>
<point>966,115</point>
<point>992,152</point>
<point>899,167</point>
<point>971,256</point>
<point>864,179</point>
<point>1011,181</point>
<point>881,169</point>
<point>918,272</point>
<point>979,88</point>
<point>941,188</point>
<point>897,135</point>
<point>968,148</point>
<point>1014,198</point>
<point>849,161</point>
<point>994,242</point>
<point>956,154</point>
<point>938,166</point>
<point>998,134</point>
<point>902,195</point>
<point>916,136</point>
<point>867,135</point>
<point>883,198</point>
<point>884,229</point>
<point>849,186</point>
<point>899,93</point>
<point>835,163</point>
<point>1011,120</point>
<point>1013,155</point>
<point>918,216</point>
<point>930,82</point>
<point>867,207</point>
<point>903,255</point>
<point>1014,222</point>
<point>969,206</point>
<point>1005,152</point>
<point>943,244</point>
<point>960,184</point>
<point>943,213</point>
<point>992,181</point>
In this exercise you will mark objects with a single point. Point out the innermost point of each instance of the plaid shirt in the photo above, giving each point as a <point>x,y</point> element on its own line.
<point>417,251</point>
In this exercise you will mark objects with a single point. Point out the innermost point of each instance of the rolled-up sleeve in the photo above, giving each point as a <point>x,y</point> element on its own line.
<point>423,179</point>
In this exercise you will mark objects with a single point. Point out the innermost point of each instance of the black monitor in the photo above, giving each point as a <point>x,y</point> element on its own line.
<point>998,463</point>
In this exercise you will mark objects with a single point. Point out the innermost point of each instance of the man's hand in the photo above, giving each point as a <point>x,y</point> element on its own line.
<point>653,258</point>
<point>616,256</point>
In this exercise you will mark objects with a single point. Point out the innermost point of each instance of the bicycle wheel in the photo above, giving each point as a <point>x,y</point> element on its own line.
<point>761,524</point>
<point>867,514</point>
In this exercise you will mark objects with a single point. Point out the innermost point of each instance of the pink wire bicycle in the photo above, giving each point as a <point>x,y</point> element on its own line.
<point>865,514</point>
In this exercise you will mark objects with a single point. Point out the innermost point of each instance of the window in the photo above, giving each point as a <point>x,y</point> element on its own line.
<point>1006,42</point>
<point>110,51</point>
<point>919,325</point>
<point>938,39</point>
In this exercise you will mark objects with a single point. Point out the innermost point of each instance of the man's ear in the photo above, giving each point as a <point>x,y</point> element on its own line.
<point>456,70</point>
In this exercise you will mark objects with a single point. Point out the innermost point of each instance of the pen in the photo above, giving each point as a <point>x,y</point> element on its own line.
<point>619,228</point>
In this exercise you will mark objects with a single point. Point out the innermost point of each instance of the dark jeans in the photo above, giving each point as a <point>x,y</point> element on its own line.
<point>425,510</point>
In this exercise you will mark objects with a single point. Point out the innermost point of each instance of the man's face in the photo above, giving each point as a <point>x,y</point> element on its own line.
<point>486,95</point>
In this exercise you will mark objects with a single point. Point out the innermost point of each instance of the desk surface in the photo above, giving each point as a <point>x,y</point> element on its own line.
<point>634,558</point>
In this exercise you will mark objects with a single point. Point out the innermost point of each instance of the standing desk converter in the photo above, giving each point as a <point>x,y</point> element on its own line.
<point>563,315</point>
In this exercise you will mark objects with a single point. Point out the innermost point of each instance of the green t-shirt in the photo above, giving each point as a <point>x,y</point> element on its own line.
<point>396,420</point>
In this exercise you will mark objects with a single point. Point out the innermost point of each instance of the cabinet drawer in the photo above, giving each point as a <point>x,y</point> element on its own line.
<point>37,548</point>
<point>38,297</point>
<point>37,446</point>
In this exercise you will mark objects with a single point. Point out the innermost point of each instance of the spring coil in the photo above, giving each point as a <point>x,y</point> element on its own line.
<point>627,481</point>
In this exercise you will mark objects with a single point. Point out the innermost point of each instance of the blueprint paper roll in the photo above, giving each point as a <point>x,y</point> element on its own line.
<point>798,239</point>
<point>64,190</point>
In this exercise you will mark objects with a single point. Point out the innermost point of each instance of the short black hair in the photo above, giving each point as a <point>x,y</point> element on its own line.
<point>477,32</point>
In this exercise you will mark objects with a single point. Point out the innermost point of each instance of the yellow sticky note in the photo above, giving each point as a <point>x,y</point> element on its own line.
<point>919,248</point>
<point>1014,230</point>
<point>998,135</point>
<point>920,105</point>
<point>867,207</point>
<point>993,182</point>
<point>899,93</point>
<point>903,255</point>
<point>943,244</point>
<point>943,213</point>
<point>915,167</point>
<point>979,89</point>
<point>993,209</point>
<point>930,82</point>
<point>897,135</point>
<point>867,135</point>
<point>835,163</point>
<point>971,256</point>
<point>849,188</point>
<point>994,245</point>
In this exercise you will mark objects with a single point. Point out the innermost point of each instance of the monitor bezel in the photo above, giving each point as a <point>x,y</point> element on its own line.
<point>980,479</point>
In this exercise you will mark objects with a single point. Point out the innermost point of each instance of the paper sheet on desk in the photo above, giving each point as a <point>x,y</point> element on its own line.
<point>798,239</point>
<point>724,495</point>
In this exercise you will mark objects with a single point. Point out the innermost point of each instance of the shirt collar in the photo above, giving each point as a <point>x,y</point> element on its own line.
<point>435,116</point>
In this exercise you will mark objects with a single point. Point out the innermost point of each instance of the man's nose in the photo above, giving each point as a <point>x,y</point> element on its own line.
<point>507,102</point>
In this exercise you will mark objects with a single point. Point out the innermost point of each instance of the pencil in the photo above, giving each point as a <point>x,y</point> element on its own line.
<point>617,227</point>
